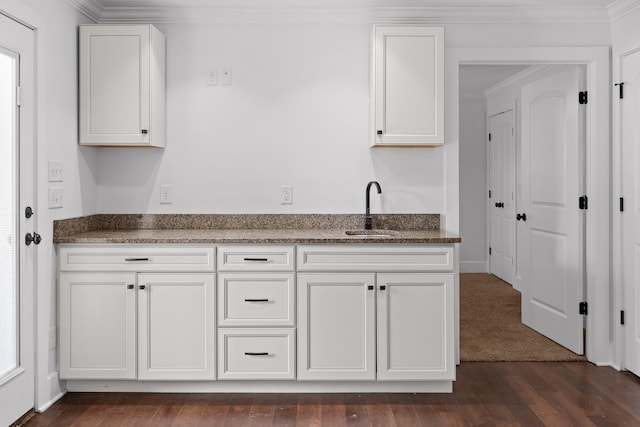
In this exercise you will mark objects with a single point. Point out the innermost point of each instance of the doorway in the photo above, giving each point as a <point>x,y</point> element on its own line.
<point>17,136</point>
<point>527,106</point>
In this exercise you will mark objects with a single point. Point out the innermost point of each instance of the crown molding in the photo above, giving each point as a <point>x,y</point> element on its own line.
<point>379,15</point>
<point>90,8</point>
<point>621,8</point>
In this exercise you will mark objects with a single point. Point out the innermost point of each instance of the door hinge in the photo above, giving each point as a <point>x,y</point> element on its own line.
<point>489,137</point>
<point>583,97</point>
<point>583,309</point>
<point>18,95</point>
<point>621,88</point>
<point>622,317</point>
<point>489,251</point>
<point>489,193</point>
<point>583,202</point>
<point>621,204</point>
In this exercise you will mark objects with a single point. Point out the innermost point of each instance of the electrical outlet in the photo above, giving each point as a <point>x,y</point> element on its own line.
<point>226,76</point>
<point>55,171</point>
<point>286,194</point>
<point>56,197</point>
<point>166,194</point>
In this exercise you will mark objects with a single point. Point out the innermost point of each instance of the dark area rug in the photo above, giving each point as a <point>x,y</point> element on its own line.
<point>490,326</point>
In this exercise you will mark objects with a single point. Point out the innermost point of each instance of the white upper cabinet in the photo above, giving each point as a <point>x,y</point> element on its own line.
<point>407,94</point>
<point>122,86</point>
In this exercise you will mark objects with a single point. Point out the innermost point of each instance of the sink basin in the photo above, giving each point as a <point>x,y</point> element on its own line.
<point>370,233</point>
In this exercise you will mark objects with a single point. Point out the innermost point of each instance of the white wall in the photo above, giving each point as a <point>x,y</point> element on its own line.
<point>297,113</point>
<point>473,184</point>
<point>56,29</point>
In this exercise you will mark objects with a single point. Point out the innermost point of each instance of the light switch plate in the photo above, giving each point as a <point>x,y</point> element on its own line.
<point>56,197</point>
<point>226,76</point>
<point>55,171</point>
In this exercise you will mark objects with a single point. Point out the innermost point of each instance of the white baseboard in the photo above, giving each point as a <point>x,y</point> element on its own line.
<point>473,267</point>
<point>53,386</point>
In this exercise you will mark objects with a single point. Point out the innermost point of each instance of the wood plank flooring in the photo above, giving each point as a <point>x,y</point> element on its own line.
<point>485,394</point>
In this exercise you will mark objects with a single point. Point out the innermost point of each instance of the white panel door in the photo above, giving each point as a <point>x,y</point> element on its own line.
<point>415,327</point>
<point>552,232</point>
<point>630,106</point>
<point>97,326</point>
<point>17,260</point>
<point>176,333</point>
<point>502,205</point>
<point>336,327</point>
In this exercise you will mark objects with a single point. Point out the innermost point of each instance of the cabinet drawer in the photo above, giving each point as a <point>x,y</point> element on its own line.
<point>256,299</point>
<point>375,258</point>
<point>256,354</point>
<point>136,258</point>
<point>255,258</point>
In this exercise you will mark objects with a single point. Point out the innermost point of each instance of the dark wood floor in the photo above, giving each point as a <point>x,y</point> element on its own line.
<point>485,394</point>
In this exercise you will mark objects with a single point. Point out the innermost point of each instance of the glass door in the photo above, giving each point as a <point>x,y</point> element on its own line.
<point>17,259</point>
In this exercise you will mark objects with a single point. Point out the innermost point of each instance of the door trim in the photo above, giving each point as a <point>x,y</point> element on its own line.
<point>596,60</point>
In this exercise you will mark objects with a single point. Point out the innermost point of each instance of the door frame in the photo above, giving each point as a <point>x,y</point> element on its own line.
<point>48,389</point>
<point>618,333</point>
<point>596,60</point>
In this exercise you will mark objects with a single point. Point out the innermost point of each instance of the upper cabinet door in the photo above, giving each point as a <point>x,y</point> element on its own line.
<point>407,86</point>
<point>122,86</point>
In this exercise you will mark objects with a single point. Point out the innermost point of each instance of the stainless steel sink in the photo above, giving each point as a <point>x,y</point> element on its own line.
<point>370,233</point>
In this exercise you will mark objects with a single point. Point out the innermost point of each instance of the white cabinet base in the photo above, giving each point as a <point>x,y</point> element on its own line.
<point>262,386</point>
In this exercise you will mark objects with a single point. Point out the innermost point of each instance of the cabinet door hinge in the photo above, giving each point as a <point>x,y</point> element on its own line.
<point>18,96</point>
<point>583,202</point>
<point>583,97</point>
<point>489,251</point>
<point>621,88</point>
<point>489,137</point>
<point>584,308</point>
<point>621,204</point>
<point>622,317</point>
<point>489,193</point>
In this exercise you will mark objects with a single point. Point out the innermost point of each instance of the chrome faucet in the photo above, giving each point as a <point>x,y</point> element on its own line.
<point>367,214</point>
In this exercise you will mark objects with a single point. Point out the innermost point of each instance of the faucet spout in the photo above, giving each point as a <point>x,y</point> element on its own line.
<point>367,214</point>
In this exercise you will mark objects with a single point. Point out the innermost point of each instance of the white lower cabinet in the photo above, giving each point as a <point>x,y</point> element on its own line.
<point>385,326</point>
<point>131,322</point>
<point>362,317</point>
<point>97,326</point>
<point>415,326</point>
<point>176,327</point>
<point>336,320</point>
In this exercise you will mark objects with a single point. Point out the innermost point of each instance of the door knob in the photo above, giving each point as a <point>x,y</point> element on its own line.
<point>521,217</point>
<point>35,238</point>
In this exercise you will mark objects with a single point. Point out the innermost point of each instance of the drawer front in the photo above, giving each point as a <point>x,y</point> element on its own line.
<point>375,258</point>
<point>256,354</point>
<point>256,299</point>
<point>255,258</point>
<point>137,258</point>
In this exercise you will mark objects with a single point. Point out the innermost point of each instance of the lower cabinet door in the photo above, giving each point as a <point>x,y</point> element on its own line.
<point>97,326</point>
<point>415,327</point>
<point>336,326</point>
<point>256,354</point>
<point>176,335</point>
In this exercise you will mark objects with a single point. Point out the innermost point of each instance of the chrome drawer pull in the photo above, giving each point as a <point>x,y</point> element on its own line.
<point>136,259</point>
<point>257,259</point>
<point>256,300</point>
<point>246,353</point>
